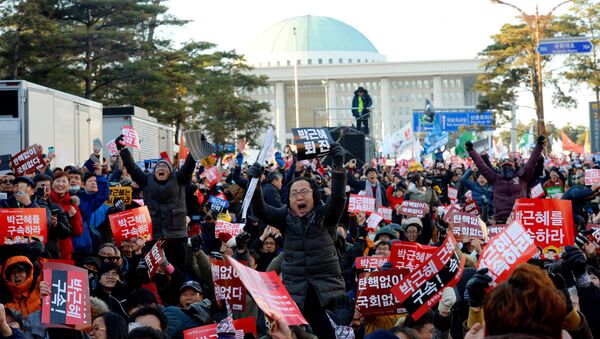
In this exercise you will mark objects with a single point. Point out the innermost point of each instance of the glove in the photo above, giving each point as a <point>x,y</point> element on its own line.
<point>476,287</point>
<point>119,142</point>
<point>196,242</point>
<point>576,259</point>
<point>468,146</point>
<point>448,300</point>
<point>337,153</point>
<point>279,160</point>
<point>239,159</point>
<point>255,171</point>
<point>541,140</point>
<point>241,240</point>
<point>561,285</point>
<point>119,205</point>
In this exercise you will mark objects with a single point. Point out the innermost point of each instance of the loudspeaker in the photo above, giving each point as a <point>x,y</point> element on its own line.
<point>353,142</point>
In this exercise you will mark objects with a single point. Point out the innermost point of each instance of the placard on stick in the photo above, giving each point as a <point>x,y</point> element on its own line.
<point>312,142</point>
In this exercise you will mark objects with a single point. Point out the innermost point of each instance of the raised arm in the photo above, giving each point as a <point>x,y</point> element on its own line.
<point>185,173</point>
<point>487,172</point>
<point>533,159</point>
<point>355,184</point>
<point>269,214</point>
<point>137,175</point>
<point>336,202</point>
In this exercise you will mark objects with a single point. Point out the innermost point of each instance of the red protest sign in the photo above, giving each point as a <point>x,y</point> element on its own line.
<point>494,230</point>
<point>68,302</point>
<point>268,292</point>
<point>512,247</point>
<point>27,161</point>
<point>455,160</point>
<point>548,221</point>
<point>244,326</point>
<point>212,175</point>
<point>449,211</point>
<point>19,225</point>
<point>413,208</point>
<point>592,176</point>
<point>369,263</point>
<point>374,220</point>
<point>361,203</point>
<point>130,137</point>
<point>228,285</point>
<point>422,288</point>
<point>537,191</point>
<point>471,207</point>
<point>467,225</point>
<point>112,148</point>
<point>386,212</point>
<point>155,258</point>
<point>133,223</point>
<point>452,194</point>
<point>409,255</point>
<point>374,295</point>
<point>222,226</point>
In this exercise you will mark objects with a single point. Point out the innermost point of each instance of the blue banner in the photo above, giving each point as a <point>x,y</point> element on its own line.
<point>452,121</point>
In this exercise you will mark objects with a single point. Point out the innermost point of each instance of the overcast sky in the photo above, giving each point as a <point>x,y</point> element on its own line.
<point>402,30</point>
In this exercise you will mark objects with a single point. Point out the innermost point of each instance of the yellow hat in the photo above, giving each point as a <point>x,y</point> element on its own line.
<point>415,167</point>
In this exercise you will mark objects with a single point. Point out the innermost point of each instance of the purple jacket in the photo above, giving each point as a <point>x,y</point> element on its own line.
<point>506,191</point>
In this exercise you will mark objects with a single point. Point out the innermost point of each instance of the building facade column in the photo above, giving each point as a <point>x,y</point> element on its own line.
<point>333,113</point>
<point>438,97</point>
<point>385,113</point>
<point>279,113</point>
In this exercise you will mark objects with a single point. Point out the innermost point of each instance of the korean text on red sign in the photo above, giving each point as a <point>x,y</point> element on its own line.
<point>361,203</point>
<point>467,225</point>
<point>422,288</point>
<point>111,147</point>
<point>130,137</point>
<point>412,208</point>
<point>228,285</point>
<point>374,295</point>
<point>312,142</point>
<point>471,207</point>
<point>453,194</point>
<point>367,264</point>
<point>241,326</point>
<point>222,226</point>
<point>68,302</point>
<point>374,220</point>
<point>269,293</point>
<point>548,221</point>
<point>506,251</point>
<point>592,177</point>
<point>406,255</point>
<point>27,161</point>
<point>494,230</point>
<point>155,258</point>
<point>19,225</point>
<point>129,224</point>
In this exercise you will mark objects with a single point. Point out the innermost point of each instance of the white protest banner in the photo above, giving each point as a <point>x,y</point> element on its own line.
<point>266,148</point>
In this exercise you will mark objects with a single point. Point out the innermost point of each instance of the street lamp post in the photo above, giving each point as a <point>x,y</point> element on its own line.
<point>537,23</point>
<point>296,82</point>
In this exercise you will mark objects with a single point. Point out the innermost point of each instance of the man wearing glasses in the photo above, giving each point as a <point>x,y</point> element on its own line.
<point>6,184</point>
<point>310,271</point>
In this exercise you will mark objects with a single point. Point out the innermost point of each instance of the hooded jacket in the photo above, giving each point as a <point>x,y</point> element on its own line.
<point>506,191</point>
<point>367,103</point>
<point>26,296</point>
<point>165,200</point>
<point>65,202</point>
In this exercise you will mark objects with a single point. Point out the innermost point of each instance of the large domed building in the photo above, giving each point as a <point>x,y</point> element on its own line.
<point>311,40</point>
<point>333,59</point>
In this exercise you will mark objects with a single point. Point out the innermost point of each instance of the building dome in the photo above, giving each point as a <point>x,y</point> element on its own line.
<point>319,40</point>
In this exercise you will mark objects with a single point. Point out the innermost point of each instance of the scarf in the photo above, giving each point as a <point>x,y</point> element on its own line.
<point>369,189</point>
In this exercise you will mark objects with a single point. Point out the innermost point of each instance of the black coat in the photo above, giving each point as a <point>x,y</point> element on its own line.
<point>165,200</point>
<point>310,256</point>
<point>272,195</point>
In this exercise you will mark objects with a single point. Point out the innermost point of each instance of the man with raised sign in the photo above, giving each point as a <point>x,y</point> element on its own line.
<point>310,270</point>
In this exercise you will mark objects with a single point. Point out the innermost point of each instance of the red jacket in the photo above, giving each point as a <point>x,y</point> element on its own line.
<point>65,245</point>
<point>393,201</point>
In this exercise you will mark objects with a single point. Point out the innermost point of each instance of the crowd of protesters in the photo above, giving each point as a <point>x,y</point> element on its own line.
<point>299,227</point>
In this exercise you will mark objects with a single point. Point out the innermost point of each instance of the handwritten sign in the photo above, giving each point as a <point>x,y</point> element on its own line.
<point>123,193</point>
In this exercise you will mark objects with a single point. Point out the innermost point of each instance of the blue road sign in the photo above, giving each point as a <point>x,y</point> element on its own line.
<point>452,121</point>
<point>570,46</point>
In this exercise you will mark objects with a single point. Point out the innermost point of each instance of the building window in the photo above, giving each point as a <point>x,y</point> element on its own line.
<point>269,64</point>
<point>289,63</point>
<point>358,61</point>
<point>298,62</point>
<point>341,61</point>
<point>330,60</point>
<point>310,61</point>
<point>349,61</point>
<point>278,63</point>
<point>320,61</point>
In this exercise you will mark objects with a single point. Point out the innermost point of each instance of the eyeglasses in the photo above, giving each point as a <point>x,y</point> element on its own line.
<point>110,274</point>
<point>107,258</point>
<point>97,328</point>
<point>304,193</point>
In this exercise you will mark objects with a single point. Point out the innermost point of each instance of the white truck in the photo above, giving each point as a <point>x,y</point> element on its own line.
<point>33,114</point>
<point>154,137</point>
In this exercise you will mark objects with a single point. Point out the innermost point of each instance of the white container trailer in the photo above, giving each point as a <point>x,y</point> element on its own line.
<point>31,114</point>
<point>154,137</point>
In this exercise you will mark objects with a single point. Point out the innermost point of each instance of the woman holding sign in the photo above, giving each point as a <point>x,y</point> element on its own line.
<point>311,270</point>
